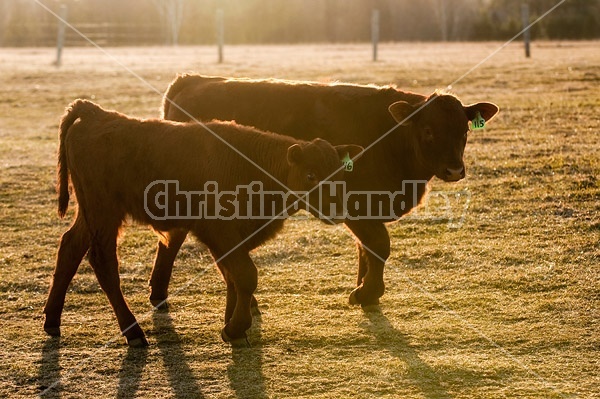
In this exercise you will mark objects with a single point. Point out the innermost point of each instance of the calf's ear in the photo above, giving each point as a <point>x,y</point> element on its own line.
<point>486,110</point>
<point>349,149</point>
<point>401,110</point>
<point>295,154</point>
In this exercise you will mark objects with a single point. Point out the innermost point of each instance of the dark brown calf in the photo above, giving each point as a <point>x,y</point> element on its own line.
<point>409,138</point>
<point>164,174</point>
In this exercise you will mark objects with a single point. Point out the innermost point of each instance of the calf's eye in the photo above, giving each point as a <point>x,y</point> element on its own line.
<point>428,135</point>
<point>311,177</point>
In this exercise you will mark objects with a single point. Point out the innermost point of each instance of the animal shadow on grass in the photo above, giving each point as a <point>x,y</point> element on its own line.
<point>245,373</point>
<point>49,382</point>
<point>131,372</point>
<point>398,345</point>
<point>179,374</point>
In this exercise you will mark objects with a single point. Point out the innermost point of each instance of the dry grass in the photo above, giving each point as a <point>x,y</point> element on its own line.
<point>500,302</point>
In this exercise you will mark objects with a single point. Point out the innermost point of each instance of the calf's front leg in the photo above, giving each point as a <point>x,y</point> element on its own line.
<point>373,250</point>
<point>163,266</point>
<point>241,277</point>
<point>162,270</point>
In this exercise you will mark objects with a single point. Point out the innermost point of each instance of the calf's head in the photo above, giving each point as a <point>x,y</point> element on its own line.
<point>439,127</point>
<point>319,163</point>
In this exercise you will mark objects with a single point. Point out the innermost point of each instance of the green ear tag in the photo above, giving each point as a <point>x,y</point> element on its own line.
<point>348,164</point>
<point>478,122</point>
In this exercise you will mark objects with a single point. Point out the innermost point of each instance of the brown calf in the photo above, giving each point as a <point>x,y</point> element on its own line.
<point>164,174</point>
<point>429,142</point>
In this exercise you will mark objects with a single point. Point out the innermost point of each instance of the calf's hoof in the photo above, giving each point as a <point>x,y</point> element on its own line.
<point>159,304</point>
<point>241,342</point>
<point>138,342</point>
<point>353,300</point>
<point>135,336</point>
<point>357,299</point>
<point>52,331</point>
<point>52,328</point>
<point>371,308</point>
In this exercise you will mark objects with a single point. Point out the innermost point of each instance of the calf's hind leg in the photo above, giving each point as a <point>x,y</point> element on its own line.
<point>103,258</point>
<point>74,244</point>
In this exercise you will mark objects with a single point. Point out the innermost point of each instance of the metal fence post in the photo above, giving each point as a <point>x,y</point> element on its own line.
<point>526,34</point>
<point>375,32</point>
<point>220,33</point>
<point>60,39</point>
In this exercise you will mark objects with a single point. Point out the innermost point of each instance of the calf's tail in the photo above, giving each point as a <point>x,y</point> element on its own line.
<point>73,112</point>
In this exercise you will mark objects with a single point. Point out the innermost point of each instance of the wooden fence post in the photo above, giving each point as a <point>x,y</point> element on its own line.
<point>375,32</point>
<point>60,39</point>
<point>526,34</point>
<point>220,33</point>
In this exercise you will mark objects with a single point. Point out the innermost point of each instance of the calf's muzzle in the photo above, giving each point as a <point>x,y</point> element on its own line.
<point>454,174</point>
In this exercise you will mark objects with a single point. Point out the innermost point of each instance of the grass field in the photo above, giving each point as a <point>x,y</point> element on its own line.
<point>493,295</point>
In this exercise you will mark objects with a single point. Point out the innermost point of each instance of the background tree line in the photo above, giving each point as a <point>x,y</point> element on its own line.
<point>132,22</point>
